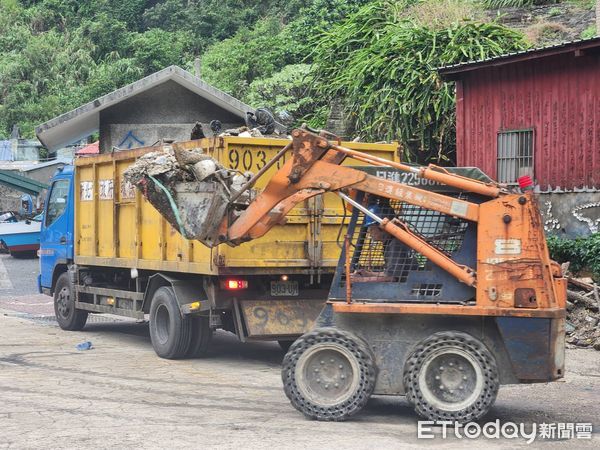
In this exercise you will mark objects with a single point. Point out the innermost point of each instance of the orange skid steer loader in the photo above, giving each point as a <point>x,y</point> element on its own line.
<point>440,295</point>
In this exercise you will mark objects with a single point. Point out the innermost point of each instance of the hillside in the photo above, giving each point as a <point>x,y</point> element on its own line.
<point>58,54</point>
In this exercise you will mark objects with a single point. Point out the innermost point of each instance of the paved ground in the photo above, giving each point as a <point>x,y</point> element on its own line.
<point>18,276</point>
<point>120,394</point>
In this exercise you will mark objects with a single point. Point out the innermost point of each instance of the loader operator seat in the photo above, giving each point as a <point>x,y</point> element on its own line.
<point>398,258</point>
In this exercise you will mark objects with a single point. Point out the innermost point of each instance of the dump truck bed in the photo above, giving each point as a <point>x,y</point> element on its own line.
<point>116,226</point>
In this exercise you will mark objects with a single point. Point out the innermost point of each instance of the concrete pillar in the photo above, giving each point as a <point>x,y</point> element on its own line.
<point>198,66</point>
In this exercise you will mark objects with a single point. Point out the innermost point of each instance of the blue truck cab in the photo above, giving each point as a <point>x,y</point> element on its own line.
<point>56,236</point>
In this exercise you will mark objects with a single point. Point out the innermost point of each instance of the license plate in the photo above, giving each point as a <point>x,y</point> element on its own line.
<point>284,288</point>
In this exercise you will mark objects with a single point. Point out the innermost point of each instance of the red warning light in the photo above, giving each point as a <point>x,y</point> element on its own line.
<point>235,284</point>
<point>525,182</point>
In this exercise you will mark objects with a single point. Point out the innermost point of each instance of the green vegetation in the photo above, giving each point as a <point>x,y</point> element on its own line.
<point>589,32</point>
<point>582,253</point>
<point>382,62</point>
<point>377,56</point>
<point>250,54</point>
<point>287,94</point>
<point>57,54</point>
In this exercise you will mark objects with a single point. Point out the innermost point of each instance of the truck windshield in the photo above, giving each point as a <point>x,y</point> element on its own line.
<point>58,201</point>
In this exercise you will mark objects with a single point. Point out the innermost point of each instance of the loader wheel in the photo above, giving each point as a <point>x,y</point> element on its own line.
<point>328,374</point>
<point>451,376</point>
<point>201,337</point>
<point>170,331</point>
<point>68,317</point>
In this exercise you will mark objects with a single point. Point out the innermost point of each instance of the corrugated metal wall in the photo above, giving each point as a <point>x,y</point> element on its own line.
<point>559,97</point>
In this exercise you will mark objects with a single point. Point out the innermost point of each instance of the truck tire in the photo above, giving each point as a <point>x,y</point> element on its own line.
<point>201,337</point>
<point>451,376</point>
<point>68,317</point>
<point>170,331</point>
<point>328,374</point>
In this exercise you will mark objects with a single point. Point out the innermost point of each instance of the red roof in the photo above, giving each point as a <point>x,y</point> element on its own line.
<point>91,149</point>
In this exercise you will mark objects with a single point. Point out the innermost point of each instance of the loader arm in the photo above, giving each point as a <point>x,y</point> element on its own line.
<point>315,169</point>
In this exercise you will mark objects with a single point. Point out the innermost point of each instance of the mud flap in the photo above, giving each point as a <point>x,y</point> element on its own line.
<point>186,292</point>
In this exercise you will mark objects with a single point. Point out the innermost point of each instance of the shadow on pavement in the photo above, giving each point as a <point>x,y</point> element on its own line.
<point>224,346</point>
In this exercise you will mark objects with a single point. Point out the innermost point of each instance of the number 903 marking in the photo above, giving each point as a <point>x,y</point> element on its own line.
<point>247,160</point>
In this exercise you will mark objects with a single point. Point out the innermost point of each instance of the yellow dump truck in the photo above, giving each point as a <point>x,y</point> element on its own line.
<point>106,249</point>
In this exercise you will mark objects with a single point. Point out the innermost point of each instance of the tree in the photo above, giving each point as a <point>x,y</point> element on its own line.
<point>383,63</point>
<point>234,63</point>
<point>156,49</point>
<point>286,93</point>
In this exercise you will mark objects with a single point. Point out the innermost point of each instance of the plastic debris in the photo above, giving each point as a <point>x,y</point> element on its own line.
<point>84,346</point>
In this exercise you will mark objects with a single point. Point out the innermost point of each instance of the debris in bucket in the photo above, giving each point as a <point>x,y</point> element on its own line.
<point>583,312</point>
<point>84,346</point>
<point>190,189</point>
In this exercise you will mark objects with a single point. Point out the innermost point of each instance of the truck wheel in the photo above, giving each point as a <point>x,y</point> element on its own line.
<point>201,337</point>
<point>170,331</point>
<point>328,374</point>
<point>451,376</point>
<point>68,317</point>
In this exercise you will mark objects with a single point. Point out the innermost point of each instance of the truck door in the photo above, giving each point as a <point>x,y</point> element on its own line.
<point>56,239</point>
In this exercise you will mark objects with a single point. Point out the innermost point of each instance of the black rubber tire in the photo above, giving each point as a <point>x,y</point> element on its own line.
<point>448,343</point>
<point>170,331</point>
<point>67,316</point>
<point>201,337</point>
<point>358,395</point>
<point>27,254</point>
<point>285,344</point>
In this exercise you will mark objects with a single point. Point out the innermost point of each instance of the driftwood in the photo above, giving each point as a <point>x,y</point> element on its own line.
<point>583,317</point>
<point>580,284</point>
<point>577,298</point>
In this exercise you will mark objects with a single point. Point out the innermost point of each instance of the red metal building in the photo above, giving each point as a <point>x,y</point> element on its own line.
<point>535,112</point>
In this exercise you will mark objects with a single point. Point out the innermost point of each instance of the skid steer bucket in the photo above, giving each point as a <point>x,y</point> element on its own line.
<point>202,206</point>
<point>194,208</point>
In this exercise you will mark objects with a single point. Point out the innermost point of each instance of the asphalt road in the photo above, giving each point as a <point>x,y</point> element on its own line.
<point>121,395</point>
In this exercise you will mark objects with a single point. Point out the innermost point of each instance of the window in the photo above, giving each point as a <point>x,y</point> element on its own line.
<point>58,201</point>
<point>515,155</point>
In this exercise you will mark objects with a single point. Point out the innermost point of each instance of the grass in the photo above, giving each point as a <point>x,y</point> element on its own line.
<point>589,32</point>
<point>547,32</point>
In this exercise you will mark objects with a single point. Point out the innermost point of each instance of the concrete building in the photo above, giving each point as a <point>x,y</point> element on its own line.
<point>536,113</point>
<point>10,198</point>
<point>164,105</point>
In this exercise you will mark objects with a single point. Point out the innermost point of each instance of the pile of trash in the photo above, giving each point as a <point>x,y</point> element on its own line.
<point>583,312</point>
<point>190,189</point>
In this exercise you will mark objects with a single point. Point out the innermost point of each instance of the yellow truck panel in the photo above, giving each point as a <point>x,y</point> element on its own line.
<point>117,227</point>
